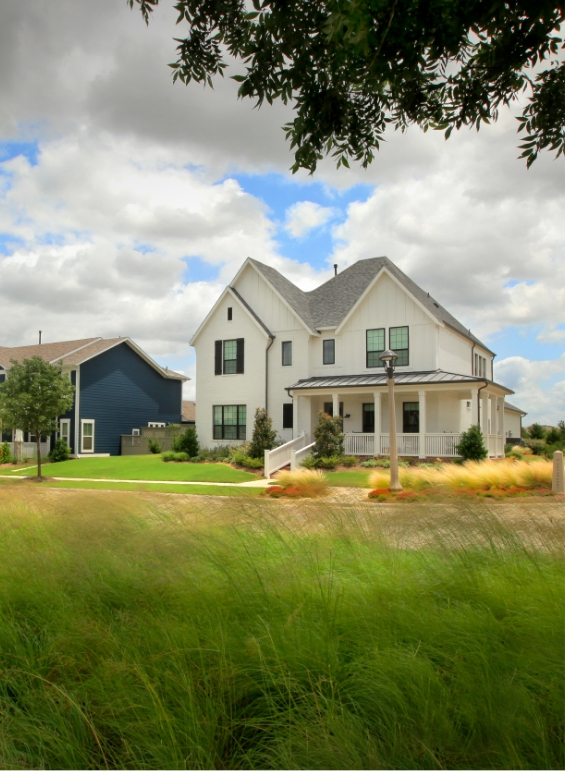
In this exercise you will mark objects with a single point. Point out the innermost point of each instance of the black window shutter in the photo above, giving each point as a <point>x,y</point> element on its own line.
<point>240,355</point>
<point>218,357</point>
<point>287,416</point>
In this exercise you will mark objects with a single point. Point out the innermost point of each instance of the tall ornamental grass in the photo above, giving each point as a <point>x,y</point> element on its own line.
<point>141,636</point>
<point>310,482</point>
<point>473,475</point>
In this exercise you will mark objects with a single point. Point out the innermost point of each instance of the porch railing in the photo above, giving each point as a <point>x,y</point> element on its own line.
<point>407,444</point>
<point>297,456</point>
<point>359,444</point>
<point>442,445</point>
<point>280,456</point>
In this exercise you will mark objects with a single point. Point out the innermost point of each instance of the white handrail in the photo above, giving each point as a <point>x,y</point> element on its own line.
<point>280,456</point>
<point>297,456</point>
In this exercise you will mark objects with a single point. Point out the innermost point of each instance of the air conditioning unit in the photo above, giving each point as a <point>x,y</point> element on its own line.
<point>156,425</point>
<point>135,432</point>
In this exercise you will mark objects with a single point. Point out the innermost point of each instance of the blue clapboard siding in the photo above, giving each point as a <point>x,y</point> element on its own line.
<point>120,391</point>
<point>70,414</point>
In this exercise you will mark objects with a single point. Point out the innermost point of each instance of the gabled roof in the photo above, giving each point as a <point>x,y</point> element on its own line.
<point>189,410</point>
<point>329,304</point>
<point>74,352</point>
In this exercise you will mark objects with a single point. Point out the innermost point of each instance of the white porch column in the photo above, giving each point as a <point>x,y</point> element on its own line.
<point>474,406</point>
<point>484,415</point>
<point>304,418</point>
<point>377,447</point>
<point>422,439</point>
<point>335,400</point>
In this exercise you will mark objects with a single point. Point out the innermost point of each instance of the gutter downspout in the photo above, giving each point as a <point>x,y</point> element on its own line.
<point>272,340</point>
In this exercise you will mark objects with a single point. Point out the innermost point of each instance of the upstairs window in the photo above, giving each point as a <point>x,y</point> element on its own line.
<point>480,366</point>
<point>230,314</point>
<point>329,352</point>
<point>287,354</point>
<point>375,346</point>
<point>228,357</point>
<point>230,421</point>
<point>398,342</point>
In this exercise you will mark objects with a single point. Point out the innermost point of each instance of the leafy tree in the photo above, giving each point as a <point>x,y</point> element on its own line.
<point>536,431</point>
<point>264,437</point>
<point>351,68</point>
<point>33,396</point>
<point>5,453</point>
<point>472,445</point>
<point>187,442</point>
<point>329,437</point>
<point>553,436</point>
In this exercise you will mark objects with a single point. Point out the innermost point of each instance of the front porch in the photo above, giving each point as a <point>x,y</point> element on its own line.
<point>430,416</point>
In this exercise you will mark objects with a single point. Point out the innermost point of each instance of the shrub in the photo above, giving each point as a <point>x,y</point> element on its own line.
<point>329,437</point>
<point>168,456</point>
<point>328,463</point>
<point>60,452</point>
<point>553,436</point>
<point>309,462</point>
<point>537,446</point>
<point>154,446</point>
<point>264,437</point>
<point>369,463</point>
<point>177,457</point>
<point>471,445</point>
<point>187,442</point>
<point>308,483</point>
<point>243,459</point>
<point>5,453</point>
<point>349,460</point>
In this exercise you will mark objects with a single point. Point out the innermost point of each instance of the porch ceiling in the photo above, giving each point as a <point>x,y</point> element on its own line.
<point>380,379</point>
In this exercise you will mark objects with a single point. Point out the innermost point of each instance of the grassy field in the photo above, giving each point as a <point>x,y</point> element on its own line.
<point>233,492</point>
<point>147,631</point>
<point>143,467</point>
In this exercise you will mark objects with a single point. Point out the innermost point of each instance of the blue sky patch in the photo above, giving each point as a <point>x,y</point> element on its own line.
<point>198,270</point>
<point>9,150</point>
<point>522,341</point>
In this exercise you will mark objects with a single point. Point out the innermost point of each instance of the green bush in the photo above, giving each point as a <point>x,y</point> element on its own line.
<point>329,462</point>
<point>264,437</point>
<point>536,431</point>
<point>154,446</point>
<point>553,436</point>
<point>349,460</point>
<point>60,452</point>
<point>508,449</point>
<point>309,462</point>
<point>168,456</point>
<point>187,442</point>
<point>329,437</point>
<point>243,459</point>
<point>369,463</point>
<point>5,453</point>
<point>471,444</point>
<point>176,457</point>
<point>537,446</point>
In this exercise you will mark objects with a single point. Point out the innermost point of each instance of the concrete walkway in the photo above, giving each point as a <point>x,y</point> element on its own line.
<point>253,483</point>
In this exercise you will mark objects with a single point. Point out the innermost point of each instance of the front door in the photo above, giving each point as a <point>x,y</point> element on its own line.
<point>369,418</point>
<point>410,417</point>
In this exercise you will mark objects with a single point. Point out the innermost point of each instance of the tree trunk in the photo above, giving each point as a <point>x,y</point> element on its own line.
<point>38,440</point>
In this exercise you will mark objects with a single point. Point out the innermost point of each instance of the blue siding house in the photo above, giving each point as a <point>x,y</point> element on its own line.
<point>118,388</point>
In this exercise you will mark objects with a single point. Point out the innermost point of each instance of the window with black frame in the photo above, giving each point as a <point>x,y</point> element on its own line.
<point>287,353</point>
<point>288,416</point>
<point>398,342</point>
<point>230,421</point>
<point>329,352</point>
<point>369,418</point>
<point>410,417</point>
<point>375,346</point>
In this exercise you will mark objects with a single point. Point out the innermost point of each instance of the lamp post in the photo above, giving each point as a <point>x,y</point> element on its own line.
<point>388,359</point>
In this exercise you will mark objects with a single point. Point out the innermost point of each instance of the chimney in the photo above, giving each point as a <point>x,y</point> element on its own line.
<point>335,269</point>
<point>39,337</point>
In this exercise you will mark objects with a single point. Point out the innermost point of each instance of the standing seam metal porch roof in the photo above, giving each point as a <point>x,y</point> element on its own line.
<point>401,378</point>
<point>330,303</point>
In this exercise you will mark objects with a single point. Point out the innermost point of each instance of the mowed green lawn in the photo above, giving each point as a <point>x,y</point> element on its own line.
<point>142,467</point>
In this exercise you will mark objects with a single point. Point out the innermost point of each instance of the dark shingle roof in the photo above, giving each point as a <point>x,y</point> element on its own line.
<point>329,304</point>
<point>508,406</point>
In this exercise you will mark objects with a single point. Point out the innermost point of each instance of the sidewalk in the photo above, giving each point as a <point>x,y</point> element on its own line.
<point>253,483</point>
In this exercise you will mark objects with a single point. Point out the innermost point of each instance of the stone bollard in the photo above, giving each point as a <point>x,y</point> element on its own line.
<point>558,482</point>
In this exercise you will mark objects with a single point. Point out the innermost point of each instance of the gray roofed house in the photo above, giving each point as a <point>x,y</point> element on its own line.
<point>267,343</point>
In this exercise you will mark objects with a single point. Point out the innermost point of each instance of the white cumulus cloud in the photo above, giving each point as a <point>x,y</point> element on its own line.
<point>304,216</point>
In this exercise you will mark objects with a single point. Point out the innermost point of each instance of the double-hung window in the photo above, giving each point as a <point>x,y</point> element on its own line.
<point>398,342</point>
<point>229,356</point>
<point>287,353</point>
<point>288,417</point>
<point>375,346</point>
<point>87,436</point>
<point>329,352</point>
<point>230,421</point>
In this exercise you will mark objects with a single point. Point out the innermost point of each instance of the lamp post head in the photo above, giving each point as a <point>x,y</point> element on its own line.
<point>388,359</point>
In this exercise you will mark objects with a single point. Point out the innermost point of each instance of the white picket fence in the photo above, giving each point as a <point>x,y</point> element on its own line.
<point>28,449</point>
<point>280,456</point>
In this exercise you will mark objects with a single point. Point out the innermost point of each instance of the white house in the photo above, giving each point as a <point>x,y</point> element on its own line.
<point>266,343</point>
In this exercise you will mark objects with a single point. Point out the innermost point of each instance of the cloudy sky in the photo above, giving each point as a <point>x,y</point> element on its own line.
<point>127,203</point>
